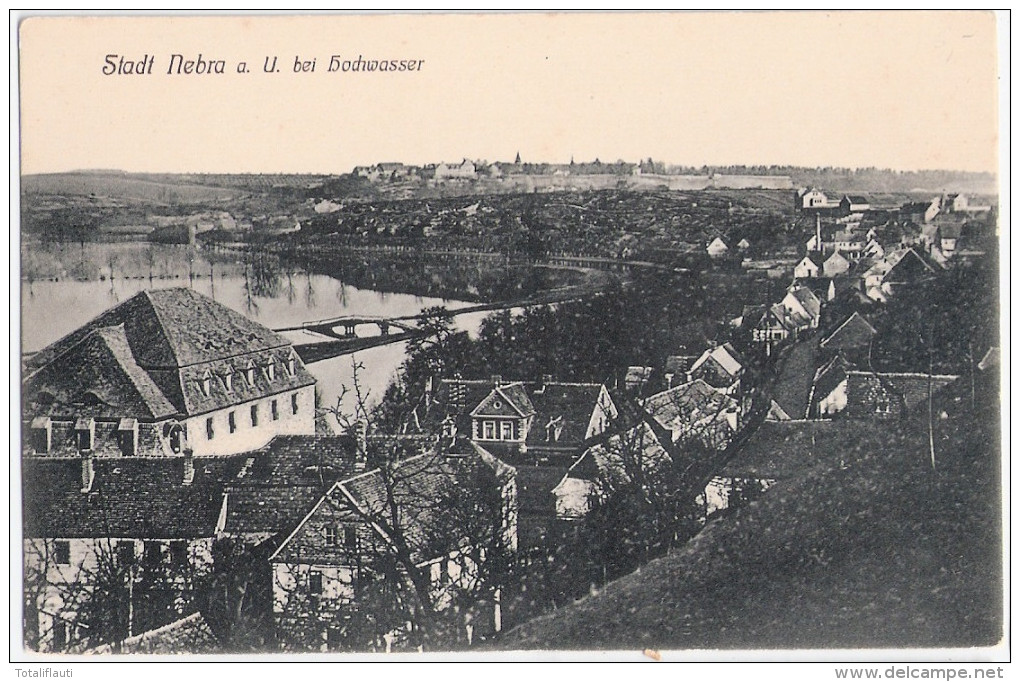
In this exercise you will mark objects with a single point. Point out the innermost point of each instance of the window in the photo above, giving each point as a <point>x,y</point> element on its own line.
<point>42,434</point>
<point>489,430</point>
<point>209,433</point>
<point>62,552</point>
<point>271,370</point>
<point>291,365</point>
<point>315,582</point>
<point>175,438</point>
<point>254,415</point>
<point>351,537</point>
<point>228,381</point>
<point>293,403</point>
<point>125,552</point>
<point>274,410</point>
<point>232,422</point>
<point>206,383</point>
<point>179,552</point>
<point>153,552</point>
<point>85,433</point>
<point>330,535</point>
<point>249,373</point>
<point>506,431</point>
<point>127,436</point>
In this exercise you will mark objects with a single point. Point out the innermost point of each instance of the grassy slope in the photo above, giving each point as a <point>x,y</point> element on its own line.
<point>870,551</point>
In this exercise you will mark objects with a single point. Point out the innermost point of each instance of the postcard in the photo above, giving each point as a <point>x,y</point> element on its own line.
<point>663,336</point>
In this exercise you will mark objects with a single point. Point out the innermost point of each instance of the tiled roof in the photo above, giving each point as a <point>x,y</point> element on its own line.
<point>691,405</point>
<point>189,635</point>
<point>279,483</point>
<point>853,333</point>
<point>415,485</point>
<point>131,497</point>
<point>573,404</point>
<point>96,377</point>
<point>828,377</point>
<point>177,327</point>
<point>149,355</point>
<point>792,388</point>
<point>610,458</point>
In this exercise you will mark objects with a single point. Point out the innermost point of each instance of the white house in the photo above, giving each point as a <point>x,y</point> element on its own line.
<point>717,248</point>
<point>165,371</point>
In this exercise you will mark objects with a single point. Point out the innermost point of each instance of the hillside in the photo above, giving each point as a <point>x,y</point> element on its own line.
<point>861,546</point>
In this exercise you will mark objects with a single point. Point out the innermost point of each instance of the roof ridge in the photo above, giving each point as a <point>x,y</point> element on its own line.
<point>131,358</point>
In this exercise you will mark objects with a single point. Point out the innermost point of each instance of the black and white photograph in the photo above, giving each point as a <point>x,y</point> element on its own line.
<point>577,336</point>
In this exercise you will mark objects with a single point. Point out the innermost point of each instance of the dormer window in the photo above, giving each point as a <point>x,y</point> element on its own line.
<point>127,436</point>
<point>291,364</point>
<point>249,373</point>
<point>85,434</point>
<point>42,435</point>
<point>206,383</point>
<point>228,381</point>
<point>271,370</point>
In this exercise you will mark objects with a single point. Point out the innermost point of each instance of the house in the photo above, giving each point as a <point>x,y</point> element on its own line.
<point>890,394</point>
<point>720,367</point>
<point>949,235</point>
<point>94,525</point>
<point>920,212</point>
<point>636,379</point>
<point>854,204</point>
<point>743,245</point>
<point>775,325</point>
<point>824,288</point>
<point>677,369</point>
<point>608,463</point>
<point>695,411</point>
<point>853,333</point>
<point>811,199</point>
<point>393,529</point>
<point>539,421</point>
<point>278,483</point>
<point>958,203</point>
<point>92,520</point>
<point>828,389</point>
<point>872,249</point>
<point>465,170</point>
<point>835,264</point>
<point>899,268</point>
<point>848,242</point>
<point>164,371</point>
<point>908,267</point>
<point>808,266</point>
<point>717,248</point>
<point>803,305</point>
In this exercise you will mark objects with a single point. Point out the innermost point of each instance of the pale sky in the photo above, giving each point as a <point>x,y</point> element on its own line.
<point>903,90</point>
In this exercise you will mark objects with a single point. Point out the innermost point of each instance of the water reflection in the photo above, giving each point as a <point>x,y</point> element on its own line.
<point>54,303</point>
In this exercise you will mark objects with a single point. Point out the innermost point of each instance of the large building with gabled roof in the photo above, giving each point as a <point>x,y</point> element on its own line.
<point>164,371</point>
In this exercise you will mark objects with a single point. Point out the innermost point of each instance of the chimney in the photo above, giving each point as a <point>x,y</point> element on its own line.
<point>497,379</point>
<point>189,466</point>
<point>88,471</point>
<point>546,380</point>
